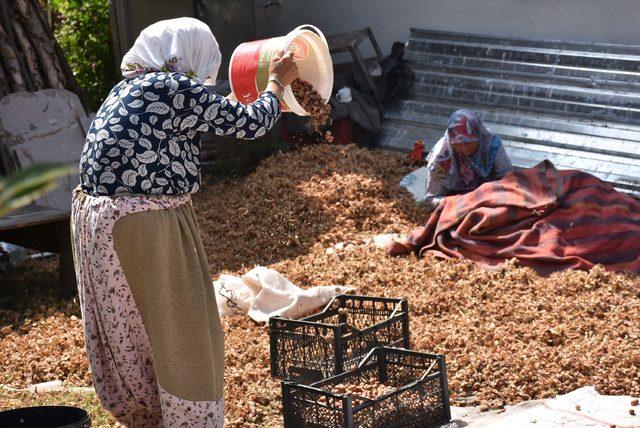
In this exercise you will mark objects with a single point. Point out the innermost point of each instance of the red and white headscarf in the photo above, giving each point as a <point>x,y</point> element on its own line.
<point>466,172</point>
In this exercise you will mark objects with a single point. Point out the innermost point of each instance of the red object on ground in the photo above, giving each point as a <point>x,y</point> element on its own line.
<point>342,131</point>
<point>548,219</point>
<point>417,154</point>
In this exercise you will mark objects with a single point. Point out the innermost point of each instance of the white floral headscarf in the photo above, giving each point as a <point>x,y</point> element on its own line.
<point>182,45</point>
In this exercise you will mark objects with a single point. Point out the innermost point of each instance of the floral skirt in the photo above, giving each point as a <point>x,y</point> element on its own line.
<point>152,331</point>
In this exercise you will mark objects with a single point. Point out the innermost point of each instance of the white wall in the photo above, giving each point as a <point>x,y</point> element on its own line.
<point>609,21</point>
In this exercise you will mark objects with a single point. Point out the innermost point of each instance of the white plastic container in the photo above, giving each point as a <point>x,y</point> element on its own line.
<point>249,66</point>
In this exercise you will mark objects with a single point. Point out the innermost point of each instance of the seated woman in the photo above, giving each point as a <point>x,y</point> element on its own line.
<point>465,157</point>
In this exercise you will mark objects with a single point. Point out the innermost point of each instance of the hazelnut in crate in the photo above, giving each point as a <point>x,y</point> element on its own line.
<point>338,338</point>
<point>391,387</point>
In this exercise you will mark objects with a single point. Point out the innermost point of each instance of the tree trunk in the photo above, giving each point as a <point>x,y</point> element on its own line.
<point>30,57</point>
<point>10,63</point>
<point>67,74</point>
<point>41,43</point>
<point>4,82</point>
<point>9,39</point>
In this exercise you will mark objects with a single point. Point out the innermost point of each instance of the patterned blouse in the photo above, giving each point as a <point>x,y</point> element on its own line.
<point>144,138</point>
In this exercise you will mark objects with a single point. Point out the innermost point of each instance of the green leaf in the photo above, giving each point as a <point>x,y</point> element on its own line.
<point>82,29</point>
<point>29,184</point>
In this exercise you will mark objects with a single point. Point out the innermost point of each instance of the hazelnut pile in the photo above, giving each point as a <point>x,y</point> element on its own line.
<point>312,102</point>
<point>367,389</point>
<point>492,325</point>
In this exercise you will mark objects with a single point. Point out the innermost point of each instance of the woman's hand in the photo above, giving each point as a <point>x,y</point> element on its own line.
<point>283,68</point>
<point>399,246</point>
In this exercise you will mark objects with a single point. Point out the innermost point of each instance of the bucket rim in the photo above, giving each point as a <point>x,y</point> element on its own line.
<point>292,103</point>
<point>233,54</point>
<point>304,27</point>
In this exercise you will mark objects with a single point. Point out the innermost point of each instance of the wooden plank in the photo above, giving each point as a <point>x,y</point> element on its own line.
<point>66,268</point>
<point>40,237</point>
<point>345,41</point>
<point>31,215</point>
<point>53,236</point>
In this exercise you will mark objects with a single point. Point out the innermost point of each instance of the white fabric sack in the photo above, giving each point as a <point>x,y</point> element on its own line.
<point>416,183</point>
<point>17,256</point>
<point>262,293</point>
<point>595,411</point>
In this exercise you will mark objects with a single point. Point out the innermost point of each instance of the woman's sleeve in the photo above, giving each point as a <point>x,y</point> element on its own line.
<point>436,178</point>
<point>501,164</point>
<point>199,109</point>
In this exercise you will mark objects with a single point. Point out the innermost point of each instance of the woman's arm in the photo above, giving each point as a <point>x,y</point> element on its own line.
<point>437,177</point>
<point>203,110</point>
<point>501,164</point>
<point>197,109</point>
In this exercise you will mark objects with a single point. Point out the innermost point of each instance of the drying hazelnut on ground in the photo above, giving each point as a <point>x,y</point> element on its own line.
<point>312,102</point>
<point>632,412</point>
<point>577,407</point>
<point>634,402</point>
<point>368,180</point>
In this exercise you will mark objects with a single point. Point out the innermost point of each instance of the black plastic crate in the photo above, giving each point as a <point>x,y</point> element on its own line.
<point>419,395</point>
<point>338,338</point>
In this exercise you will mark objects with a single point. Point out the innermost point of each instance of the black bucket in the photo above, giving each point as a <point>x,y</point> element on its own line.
<point>45,417</point>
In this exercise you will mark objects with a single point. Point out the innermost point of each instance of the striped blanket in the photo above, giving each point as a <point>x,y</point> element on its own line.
<point>548,219</point>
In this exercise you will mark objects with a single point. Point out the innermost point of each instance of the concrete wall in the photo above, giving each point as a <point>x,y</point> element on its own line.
<point>609,21</point>
<point>128,18</point>
<point>232,20</point>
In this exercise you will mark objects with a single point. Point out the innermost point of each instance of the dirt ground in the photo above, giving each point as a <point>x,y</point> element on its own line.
<point>508,334</point>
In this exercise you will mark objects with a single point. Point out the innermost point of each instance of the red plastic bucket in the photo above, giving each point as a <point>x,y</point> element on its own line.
<point>249,66</point>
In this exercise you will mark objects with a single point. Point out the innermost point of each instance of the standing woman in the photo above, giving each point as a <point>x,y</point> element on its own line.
<point>152,330</point>
<point>465,157</point>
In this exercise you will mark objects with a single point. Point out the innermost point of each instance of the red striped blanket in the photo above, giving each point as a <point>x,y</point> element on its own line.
<point>546,218</point>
